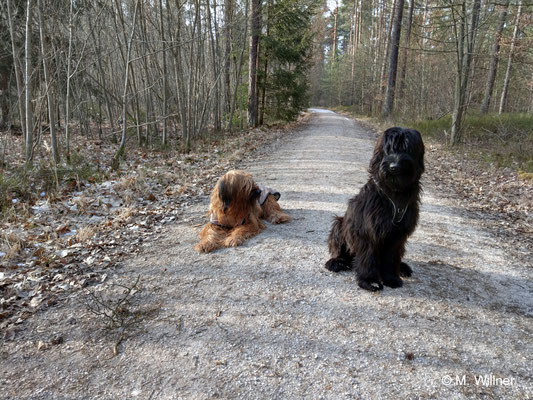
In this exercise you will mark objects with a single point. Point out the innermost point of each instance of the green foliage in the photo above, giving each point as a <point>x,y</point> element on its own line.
<point>287,49</point>
<point>505,140</point>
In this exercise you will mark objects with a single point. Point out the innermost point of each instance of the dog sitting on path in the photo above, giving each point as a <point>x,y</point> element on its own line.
<point>371,236</point>
<point>235,212</point>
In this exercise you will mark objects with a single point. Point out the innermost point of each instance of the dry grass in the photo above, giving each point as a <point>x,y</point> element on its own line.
<point>13,244</point>
<point>124,214</point>
<point>85,233</point>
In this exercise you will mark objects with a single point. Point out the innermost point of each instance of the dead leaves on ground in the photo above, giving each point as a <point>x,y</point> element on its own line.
<point>69,240</point>
<point>502,198</point>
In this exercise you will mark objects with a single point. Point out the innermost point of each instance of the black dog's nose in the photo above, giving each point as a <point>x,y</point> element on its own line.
<point>394,167</point>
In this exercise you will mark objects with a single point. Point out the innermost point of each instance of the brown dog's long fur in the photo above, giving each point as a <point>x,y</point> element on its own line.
<point>237,213</point>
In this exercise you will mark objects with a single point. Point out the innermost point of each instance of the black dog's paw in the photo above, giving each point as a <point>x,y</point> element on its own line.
<point>393,281</point>
<point>337,265</point>
<point>405,270</point>
<point>369,285</point>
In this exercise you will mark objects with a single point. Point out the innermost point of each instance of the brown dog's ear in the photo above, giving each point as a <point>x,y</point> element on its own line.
<point>224,193</point>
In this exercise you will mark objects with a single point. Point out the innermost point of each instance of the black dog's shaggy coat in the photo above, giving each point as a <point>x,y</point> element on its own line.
<point>371,236</point>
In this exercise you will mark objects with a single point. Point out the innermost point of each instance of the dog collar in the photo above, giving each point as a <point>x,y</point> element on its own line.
<point>214,221</point>
<point>397,211</point>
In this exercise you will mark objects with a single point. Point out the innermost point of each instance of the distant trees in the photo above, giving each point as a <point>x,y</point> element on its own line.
<point>441,43</point>
<point>200,66</point>
<point>149,71</point>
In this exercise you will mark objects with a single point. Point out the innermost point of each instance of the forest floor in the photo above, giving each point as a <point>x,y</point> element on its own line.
<point>117,304</point>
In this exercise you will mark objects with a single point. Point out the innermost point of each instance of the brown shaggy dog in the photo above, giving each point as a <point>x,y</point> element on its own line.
<point>235,212</point>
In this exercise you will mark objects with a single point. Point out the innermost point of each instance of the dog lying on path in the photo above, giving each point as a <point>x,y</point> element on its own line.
<point>237,206</point>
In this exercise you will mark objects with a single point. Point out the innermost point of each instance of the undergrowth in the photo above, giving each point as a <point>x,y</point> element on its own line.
<point>502,140</point>
<point>26,184</point>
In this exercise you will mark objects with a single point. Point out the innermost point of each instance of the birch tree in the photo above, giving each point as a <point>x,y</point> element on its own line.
<point>503,98</point>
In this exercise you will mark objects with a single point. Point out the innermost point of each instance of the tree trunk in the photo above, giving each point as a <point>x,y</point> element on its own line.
<point>67,94</point>
<point>216,111</point>
<point>507,79</point>
<point>494,58</point>
<point>335,17</point>
<point>265,70</point>
<point>403,59</point>
<point>49,89</point>
<point>239,67</point>
<point>255,31</point>
<point>165,78</point>
<point>178,69</point>
<point>16,65</point>
<point>386,56</point>
<point>464,60</point>
<point>116,158</point>
<point>393,59</point>
<point>27,81</point>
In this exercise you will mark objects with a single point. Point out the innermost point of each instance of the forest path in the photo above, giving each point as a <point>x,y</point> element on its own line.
<point>266,321</point>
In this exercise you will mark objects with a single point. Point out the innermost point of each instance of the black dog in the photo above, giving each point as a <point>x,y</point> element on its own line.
<point>371,236</point>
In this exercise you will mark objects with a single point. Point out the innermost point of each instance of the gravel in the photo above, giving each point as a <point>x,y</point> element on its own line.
<point>266,321</point>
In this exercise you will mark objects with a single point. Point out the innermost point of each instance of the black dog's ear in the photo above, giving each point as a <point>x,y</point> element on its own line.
<point>224,192</point>
<point>377,156</point>
<point>419,143</point>
<point>255,194</point>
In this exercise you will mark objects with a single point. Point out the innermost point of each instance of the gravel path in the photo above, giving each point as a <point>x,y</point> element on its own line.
<point>267,321</point>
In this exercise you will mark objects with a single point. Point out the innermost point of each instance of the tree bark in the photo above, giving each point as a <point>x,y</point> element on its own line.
<point>17,67</point>
<point>165,77</point>
<point>393,58</point>
<point>27,81</point>
<point>507,79</point>
<point>334,48</point>
<point>404,53</point>
<point>464,60</point>
<point>120,151</point>
<point>228,20</point>
<point>49,89</point>
<point>494,58</point>
<point>255,31</point>
<point>265,70</point>
<point>67,94</point>
<point>216,111</point>
<point>239,67</point>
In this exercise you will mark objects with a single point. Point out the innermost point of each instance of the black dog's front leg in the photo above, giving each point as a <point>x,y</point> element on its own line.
<point>366,267</point>
<point>391,267</point>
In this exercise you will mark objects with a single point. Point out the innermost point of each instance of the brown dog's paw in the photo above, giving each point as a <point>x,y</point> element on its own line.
<point>205,247</point>
<point>233,241</point>
<point>280,219</point>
